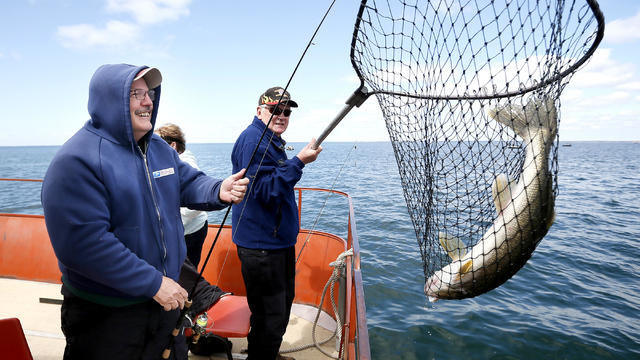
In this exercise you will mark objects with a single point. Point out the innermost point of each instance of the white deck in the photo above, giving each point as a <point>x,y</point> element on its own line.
<point>41,323</point>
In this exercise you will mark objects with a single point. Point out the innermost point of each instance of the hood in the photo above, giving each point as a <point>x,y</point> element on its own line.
<point>109,102</point>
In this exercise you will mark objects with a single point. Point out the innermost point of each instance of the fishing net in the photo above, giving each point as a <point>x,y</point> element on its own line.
<point>445,73</point>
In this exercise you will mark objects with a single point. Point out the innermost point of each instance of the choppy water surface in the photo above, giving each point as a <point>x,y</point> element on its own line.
<point>578,297</point>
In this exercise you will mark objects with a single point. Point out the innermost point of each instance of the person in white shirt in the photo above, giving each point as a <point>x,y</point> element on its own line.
<point>194,221</point>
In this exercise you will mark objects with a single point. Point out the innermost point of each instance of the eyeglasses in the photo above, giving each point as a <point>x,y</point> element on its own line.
<point>278,110</point>
<point>139,94</point>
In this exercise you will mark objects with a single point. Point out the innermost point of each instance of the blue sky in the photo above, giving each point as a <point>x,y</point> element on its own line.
<point>216,58</point>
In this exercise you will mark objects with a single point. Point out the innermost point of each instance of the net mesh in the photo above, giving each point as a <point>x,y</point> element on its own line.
<point>470,93</point>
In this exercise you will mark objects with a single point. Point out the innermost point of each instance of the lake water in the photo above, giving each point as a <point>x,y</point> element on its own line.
<point>578,297</point>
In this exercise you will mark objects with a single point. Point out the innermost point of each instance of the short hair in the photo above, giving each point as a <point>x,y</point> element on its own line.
<point>172,133</point>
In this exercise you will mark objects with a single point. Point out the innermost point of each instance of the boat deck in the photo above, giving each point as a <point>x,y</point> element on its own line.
<point>41,323</point>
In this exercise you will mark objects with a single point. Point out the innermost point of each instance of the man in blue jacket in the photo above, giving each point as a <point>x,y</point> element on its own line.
<point>265,225</point>
<point>111,199</point>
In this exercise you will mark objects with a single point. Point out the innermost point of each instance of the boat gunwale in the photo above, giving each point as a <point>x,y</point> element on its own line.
<point>354,277</point>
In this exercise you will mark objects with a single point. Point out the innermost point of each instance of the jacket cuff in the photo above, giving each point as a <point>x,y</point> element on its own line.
<point>296,160</point>
<point>155,285</point>
<point>218,203</point>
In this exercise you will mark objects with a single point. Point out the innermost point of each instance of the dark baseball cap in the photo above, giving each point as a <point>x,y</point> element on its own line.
<point>272,96</point>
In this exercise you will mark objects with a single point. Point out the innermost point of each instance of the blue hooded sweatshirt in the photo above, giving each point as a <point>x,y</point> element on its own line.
<point>267,218</point>
<point>112,205</point>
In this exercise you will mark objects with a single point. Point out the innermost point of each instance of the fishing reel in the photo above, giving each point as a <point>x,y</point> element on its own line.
<point>199,327</point>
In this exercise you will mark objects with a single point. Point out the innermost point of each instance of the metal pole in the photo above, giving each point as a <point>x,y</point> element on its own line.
<point>357,98</point>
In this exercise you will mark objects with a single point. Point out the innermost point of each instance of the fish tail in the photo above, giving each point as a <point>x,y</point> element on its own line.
<point>537,114</point>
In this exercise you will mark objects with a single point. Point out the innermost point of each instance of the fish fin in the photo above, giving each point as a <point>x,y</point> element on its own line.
<point>537,113</point>
<point>452,245</point>
<point>501,192</point>
<point>466,267</point>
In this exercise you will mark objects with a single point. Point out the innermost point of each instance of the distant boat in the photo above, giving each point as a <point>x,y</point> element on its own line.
<point>289,147</point>
<point>566,145</point>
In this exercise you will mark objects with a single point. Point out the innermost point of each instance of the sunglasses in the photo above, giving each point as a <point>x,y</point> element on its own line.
<point>277,110</point>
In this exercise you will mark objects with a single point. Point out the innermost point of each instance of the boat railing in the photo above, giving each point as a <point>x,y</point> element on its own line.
<point>354,279</point>
<point>28,180</point>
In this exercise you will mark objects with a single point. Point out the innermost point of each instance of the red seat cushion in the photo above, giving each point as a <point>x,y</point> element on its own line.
<point>13,344</point>
<point>229,317</point>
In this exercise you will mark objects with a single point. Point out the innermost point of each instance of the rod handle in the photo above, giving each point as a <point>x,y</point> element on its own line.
<point>167,352</point>
<point>357,98</point>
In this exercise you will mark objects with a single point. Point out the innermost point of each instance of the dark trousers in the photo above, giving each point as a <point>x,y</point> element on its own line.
<point>194,243</point>
<point>269,276</point>
<point>139,331</point>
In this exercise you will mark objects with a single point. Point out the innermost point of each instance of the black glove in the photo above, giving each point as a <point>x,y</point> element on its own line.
<point>205,294</point>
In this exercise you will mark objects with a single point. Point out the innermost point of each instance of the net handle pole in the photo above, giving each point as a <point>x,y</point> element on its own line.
<point>357,98</point>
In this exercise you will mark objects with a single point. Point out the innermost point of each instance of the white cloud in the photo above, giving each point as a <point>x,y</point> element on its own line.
<point>615,96</point>
<point>118,33</point>
<point>151,11</point>
<point>572,94</point>
<point>603,99</point>
<point>632,85</point>
<point>623,30</point>
<point>352,79</point>
<point>602,70</point>
<point>115,33</point>
<point>600,114</point>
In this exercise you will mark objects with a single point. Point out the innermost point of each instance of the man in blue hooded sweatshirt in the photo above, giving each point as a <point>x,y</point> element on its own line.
<point>111,199</point>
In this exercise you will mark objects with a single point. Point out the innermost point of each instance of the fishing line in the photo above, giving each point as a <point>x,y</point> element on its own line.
<point>183,311</point>
<point>249,191</point>
<point>271,117</point>
<point>313,228</point>
<point>224,262</point>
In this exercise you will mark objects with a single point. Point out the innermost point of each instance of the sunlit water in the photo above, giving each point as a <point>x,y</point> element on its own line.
<point>578,297</point>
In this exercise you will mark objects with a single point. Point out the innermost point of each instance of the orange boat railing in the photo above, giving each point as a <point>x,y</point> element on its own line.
<point>32,180</point>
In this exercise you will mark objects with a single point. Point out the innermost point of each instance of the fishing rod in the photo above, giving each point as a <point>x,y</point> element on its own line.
<point>167,352</point>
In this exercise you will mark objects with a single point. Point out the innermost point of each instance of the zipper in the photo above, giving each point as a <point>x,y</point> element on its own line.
<point>155,204</point>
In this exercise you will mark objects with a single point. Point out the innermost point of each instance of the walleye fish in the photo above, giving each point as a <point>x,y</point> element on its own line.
<point>524,212</point>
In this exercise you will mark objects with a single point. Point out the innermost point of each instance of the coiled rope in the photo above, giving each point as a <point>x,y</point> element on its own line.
<point>339,266</point>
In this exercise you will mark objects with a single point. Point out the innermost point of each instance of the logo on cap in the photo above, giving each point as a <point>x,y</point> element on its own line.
<point>275,94</point>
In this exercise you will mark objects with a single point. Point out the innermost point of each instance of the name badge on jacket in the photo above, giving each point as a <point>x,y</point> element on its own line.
<point>163,172</point>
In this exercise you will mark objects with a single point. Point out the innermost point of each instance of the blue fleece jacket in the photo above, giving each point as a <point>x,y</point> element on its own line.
<point>112,206</point>
<point>267,218</point>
